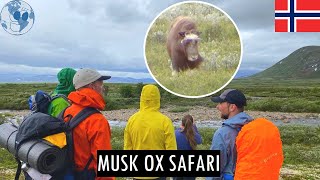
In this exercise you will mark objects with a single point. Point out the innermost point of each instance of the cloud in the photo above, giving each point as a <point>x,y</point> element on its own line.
<point>32,70</point>
<point>109,35</point>
<point>250,14</point>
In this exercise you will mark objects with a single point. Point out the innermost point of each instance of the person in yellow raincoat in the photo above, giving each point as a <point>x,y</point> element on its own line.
<point>148,129</point>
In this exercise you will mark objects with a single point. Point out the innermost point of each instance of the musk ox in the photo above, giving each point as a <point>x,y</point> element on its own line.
<point>182,44</point>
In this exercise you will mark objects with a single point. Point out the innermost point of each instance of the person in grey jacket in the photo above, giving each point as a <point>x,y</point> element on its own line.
<point>231,106</point>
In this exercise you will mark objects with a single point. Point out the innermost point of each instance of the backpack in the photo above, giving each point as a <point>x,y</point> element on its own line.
<point>259,151</point>
<point>41,101</point>
<point>38,125</point>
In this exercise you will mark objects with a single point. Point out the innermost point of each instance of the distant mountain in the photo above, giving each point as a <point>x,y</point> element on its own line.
<point>242,73</point>
<point>27,78</point>
<point>303,63</point>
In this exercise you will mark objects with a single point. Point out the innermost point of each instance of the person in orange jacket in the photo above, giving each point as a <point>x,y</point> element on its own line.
<point>93,133</point>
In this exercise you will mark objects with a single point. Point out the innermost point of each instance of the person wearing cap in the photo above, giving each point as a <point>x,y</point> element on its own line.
<point>93,133</point>
<point>149,129</point>
<point>231,106</point>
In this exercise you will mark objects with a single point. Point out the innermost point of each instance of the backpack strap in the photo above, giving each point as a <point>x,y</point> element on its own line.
<point>18,172</point>
<point>61,114</point>
<point>82,115</point>
<point>59,95</point>
<point>71,124</point>
<point>88,163</point>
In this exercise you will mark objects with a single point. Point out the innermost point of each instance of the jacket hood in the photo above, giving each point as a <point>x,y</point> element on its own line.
<point>87,97</point>
<point>65,78</point>
<point>150,98</point>
<point>238,120</point>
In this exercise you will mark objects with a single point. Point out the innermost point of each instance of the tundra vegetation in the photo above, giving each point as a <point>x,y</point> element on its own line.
<point>301,144</point>
<point>219,46</point>
<point>267,95</point>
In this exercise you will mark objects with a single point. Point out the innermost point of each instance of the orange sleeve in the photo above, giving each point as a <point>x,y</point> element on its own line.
<point>99,136</point>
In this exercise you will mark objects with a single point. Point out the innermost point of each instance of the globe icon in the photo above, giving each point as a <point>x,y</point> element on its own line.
<point>17,17</point>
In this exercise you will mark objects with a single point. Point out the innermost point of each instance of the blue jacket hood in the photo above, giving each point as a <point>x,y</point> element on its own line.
<point>238,120</point>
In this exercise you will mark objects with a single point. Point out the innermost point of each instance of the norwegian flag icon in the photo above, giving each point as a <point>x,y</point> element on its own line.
<point>297,16</point>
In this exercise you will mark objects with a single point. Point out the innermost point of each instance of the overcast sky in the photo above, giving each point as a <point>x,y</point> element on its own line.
<point>109,36</point>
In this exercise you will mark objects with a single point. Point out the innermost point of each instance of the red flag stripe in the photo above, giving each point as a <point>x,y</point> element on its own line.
<point>281,5</point>
<point>308,5</point>
<point>307,25</point>
<point>281,25</point>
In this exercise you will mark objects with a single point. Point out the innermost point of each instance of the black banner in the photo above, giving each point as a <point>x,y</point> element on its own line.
<point>158,163</point>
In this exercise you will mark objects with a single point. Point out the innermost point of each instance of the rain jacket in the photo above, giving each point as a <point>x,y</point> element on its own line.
<point>224,139</point>
<point>65,78</point>
<point>93,133</point>
<point>148,129</point>
<point>259,150</point>
<point>57,106</point>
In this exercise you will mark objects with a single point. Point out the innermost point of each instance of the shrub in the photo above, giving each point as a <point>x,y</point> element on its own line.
<point>138,89</point>
<point>300,135</point>
<point>126,91</point>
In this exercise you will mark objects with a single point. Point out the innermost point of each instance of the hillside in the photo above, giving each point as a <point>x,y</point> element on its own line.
<point>303,63</point>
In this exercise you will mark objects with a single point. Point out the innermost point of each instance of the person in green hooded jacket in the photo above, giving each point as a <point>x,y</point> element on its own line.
<point>65,87</point>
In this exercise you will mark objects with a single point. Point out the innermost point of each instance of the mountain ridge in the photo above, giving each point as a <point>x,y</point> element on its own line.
<point>303,63</point>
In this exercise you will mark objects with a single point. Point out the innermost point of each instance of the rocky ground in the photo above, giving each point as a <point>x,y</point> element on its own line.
<point>203,115</point>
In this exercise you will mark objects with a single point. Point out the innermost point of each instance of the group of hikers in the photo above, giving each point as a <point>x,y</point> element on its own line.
<point>260,157</point>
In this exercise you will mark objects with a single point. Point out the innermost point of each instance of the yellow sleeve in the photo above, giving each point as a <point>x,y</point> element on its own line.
<point>127,138</point>
<point>170,141</point>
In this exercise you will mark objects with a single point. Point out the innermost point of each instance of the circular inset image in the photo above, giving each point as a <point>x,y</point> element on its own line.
<point>193,49</point>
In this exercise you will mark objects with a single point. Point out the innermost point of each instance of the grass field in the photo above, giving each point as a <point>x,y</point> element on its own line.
<point>220,47</point>
<point>300,146</point>
<point>299,95</point>
<point>266,95</point>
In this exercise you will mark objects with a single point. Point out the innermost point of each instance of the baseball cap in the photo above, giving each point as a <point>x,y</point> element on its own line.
<point>232,96</point>
<point>86,76</point>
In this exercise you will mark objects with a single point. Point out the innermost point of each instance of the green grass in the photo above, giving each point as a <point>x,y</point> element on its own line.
<point>216,48</point>
<point>280,95</point>
<point>267,95</point>
<point>301,146</point>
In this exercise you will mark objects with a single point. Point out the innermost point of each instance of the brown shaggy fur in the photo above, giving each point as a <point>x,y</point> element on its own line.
<point>176,49</point>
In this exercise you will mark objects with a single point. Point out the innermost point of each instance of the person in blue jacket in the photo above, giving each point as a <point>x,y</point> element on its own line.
<point>231,106</point>
<point>188,138</point>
